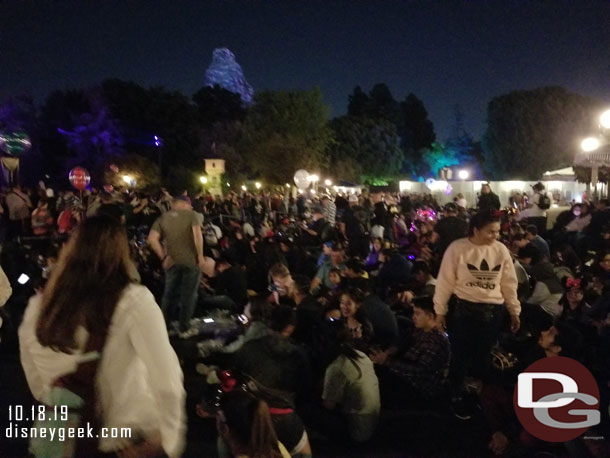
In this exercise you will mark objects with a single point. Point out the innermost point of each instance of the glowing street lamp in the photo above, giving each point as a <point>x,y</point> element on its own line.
<point>604,119</point>
<point>327,182</point>
<point>288,185</point>
<point>127,179</point>
<point>228,184</point>
<point>590,144</point>
<point>463,174</point>
<point>244,188</point>
<point>258,185</point>
<point>203,180</point>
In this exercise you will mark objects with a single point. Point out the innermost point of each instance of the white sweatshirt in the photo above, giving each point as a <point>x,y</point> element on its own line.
<point>477,273</point>
<point>139,379</point>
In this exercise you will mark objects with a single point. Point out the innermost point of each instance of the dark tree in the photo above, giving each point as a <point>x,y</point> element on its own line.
<point>285,131</point>
<point>365,149</point>
<point>530,132</point>
<point>358,102</point>
<point>144,113</point>
<point>417,132</point>
<point>216,104</point>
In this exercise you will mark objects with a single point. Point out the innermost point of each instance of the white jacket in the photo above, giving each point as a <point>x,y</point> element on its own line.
<point>139,380</point>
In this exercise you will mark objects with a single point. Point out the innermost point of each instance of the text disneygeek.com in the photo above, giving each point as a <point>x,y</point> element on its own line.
<point>61,434</point>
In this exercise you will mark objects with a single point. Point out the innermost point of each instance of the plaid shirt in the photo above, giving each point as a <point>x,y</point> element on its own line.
<point>425,365</point>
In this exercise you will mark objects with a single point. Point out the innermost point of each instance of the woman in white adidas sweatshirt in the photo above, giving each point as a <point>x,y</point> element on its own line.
<point>478,277</point>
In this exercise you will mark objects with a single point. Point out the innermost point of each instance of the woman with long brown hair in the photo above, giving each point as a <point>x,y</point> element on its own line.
<point>92,303</point>
<point>244,423</point>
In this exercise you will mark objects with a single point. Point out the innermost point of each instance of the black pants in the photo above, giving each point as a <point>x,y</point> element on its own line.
<point>473,331</point>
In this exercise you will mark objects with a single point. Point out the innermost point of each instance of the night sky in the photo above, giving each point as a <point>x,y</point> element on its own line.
<point>447,53</point>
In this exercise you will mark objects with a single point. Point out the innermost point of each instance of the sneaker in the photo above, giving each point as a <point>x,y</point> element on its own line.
<point>461,409</point>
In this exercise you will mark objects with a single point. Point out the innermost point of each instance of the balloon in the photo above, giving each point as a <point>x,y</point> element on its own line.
<point>301,179</point>
<point>15,143</point>
<point>79,178</point>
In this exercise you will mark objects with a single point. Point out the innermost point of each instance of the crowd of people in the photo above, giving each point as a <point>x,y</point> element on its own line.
<point>346,304</point>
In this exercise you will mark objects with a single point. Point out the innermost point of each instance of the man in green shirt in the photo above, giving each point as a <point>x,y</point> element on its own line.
<point>182,257</point>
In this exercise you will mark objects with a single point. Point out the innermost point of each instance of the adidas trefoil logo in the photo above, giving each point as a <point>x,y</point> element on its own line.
<point>483,273</point>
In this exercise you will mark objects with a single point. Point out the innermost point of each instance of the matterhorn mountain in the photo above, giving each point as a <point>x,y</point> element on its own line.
<point>225,72</point>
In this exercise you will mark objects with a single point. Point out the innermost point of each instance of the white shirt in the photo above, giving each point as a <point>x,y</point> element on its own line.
<point>139,379</point>
<point>477,273</point>
<point>5,290</point>
<point>535,210</point>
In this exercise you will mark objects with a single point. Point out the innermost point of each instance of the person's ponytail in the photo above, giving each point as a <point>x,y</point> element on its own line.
<point>263,440</point>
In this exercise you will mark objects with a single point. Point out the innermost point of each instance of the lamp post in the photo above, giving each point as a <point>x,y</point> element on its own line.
<point>463,175</point>
<point>591,144</point>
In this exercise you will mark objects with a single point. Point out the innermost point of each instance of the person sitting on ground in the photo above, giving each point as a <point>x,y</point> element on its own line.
<point>575,307</point>
<point>508,436</point>
<point>355,318</point>
<point>309,312</point>
<point>532,236</point>
<point>350,382</point>
<point>372,260</point>
<point>230,287</point>
<point>322,278</point>
<point>548,290</point>
<point>424,367</point>
<point>245,428</point>
<point>424,280</point>
<point>395,270</point>
<point>42,219</point>
<point>330,298</point>
<point>111,208</point>
<point>278,366</point>
<point>379,315</point>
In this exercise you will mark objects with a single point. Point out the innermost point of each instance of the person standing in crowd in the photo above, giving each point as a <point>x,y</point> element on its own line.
<point>488,200</point>
<point>476,278</point>
<point>538,205</point>
<point>461,202</point>
<point>89,305</point>
<point>19,206</point>
<point>182,258</point>
<point>450,228</point>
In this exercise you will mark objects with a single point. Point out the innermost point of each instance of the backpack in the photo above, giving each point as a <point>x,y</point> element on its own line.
<point>544,202</point>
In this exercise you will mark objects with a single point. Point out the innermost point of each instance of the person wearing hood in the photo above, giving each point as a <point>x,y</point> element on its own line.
<point>395,270</point>
<point>548,291</point>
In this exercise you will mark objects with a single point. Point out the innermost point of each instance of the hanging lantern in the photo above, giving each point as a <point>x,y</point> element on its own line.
<point>15,143</point>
